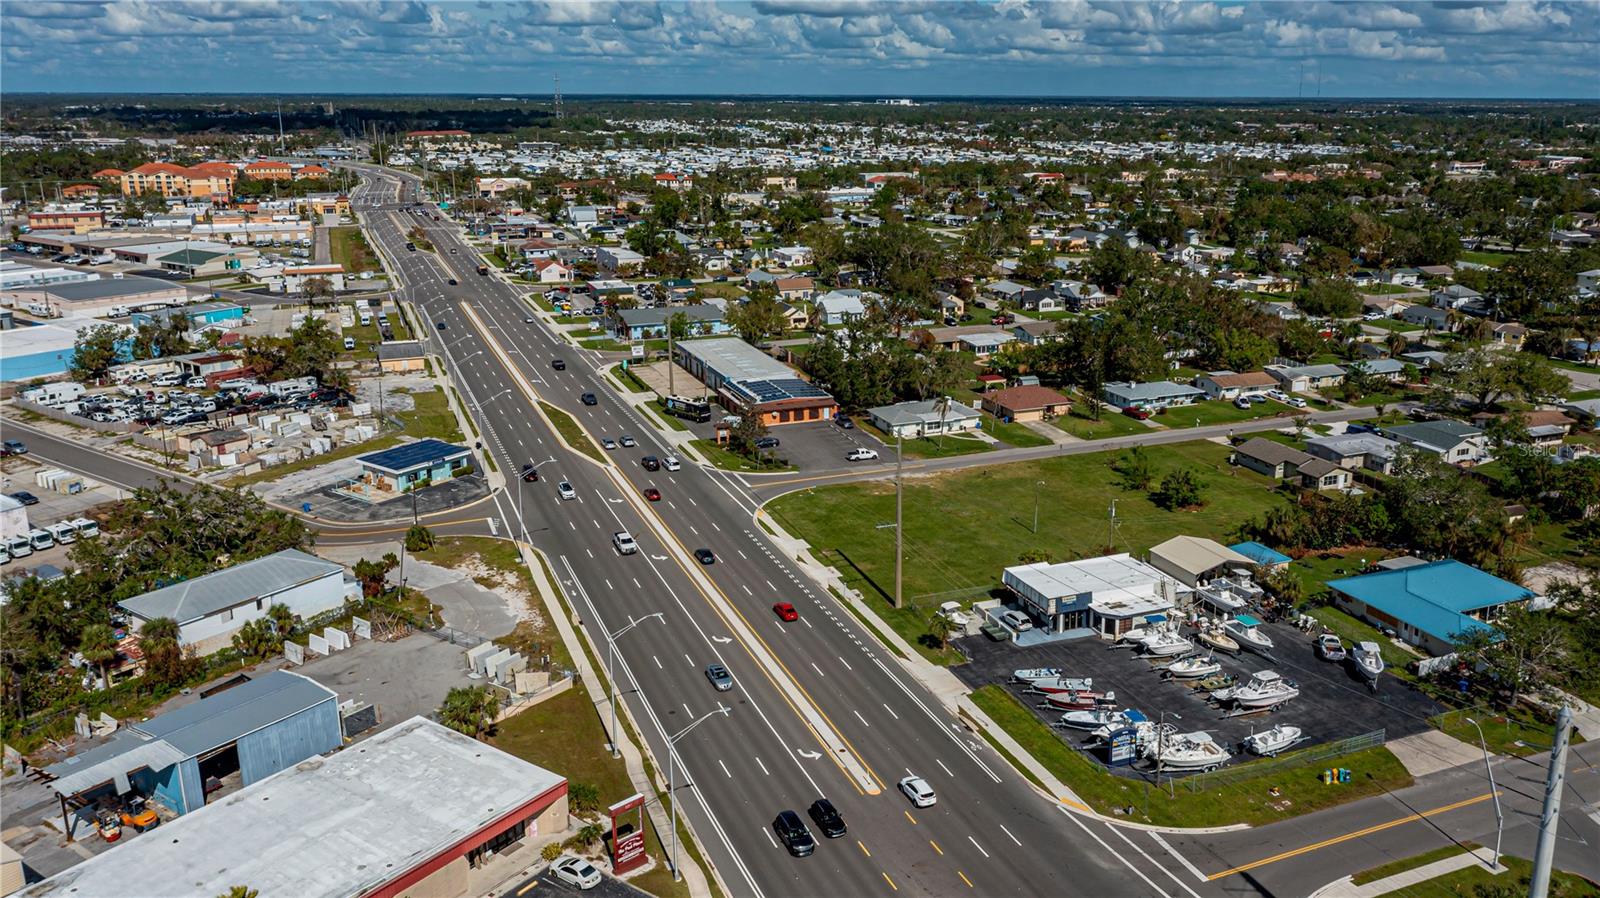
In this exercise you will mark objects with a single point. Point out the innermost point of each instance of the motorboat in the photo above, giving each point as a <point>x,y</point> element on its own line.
<point>1052,685</point>
<point>1270,742</point>
<point>1142,725</point>
<point>1329,648</point>
<point>1031,674</point>
<point>1265,689</point>
<point>1093,720</point>
<point>1081,701</point>
<point>1167,643</point>
<point>1215,639</point>
<point>1247,632</point>
<point>1193,666</point>
<point>1368,660</point>
<point>1217,682</point>
<point>1187,751</point>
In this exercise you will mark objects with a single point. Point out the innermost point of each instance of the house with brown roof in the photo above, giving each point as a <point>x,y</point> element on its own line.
<point>797,288</point>
<point>1509,334</point>
<point>1231,385</point>
<point>1026,403</point>
<point>268,170</point>
<point>310,173</point>
<point>1546,427</point>
<point>1270,458</point>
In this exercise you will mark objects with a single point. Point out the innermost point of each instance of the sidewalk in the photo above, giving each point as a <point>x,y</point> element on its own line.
<point>1344,888</point>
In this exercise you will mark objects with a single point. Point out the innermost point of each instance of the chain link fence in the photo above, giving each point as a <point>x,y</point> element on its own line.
<point>1228,776</point>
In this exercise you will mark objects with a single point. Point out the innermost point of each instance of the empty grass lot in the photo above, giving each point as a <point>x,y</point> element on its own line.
<point>348,247</point>
<point>1218,412</point>
<point>1112,423</point>
<point>1012,434</point>
<point>1374,771</point>
<point>963,527</point>
<point>1464,883</point>
<point>1411,863</point>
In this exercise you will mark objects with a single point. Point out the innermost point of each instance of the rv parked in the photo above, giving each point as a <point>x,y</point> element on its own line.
<point>63,533</point>
<point>54,394</point>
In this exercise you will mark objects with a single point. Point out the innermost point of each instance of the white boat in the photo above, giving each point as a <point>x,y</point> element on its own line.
<point>1052,685</point>
<point>1368,660</point>
<point>1080,701</point>
<point>1167,643</point>
<point>1247,631</point>
<point>1192,667</point>
<point>1144,728</point>
<point>1270,742</point>
<point>1093,720</point>
<point>1214,638</point>
<point>1264,690</point>
<point>1034,673</point>
<point>1187,751</point>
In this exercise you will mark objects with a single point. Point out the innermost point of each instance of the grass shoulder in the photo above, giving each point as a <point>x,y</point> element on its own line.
<point>1384,871</point>
<point>1466,883</point>
<point>729,461</point>
<point>928,447</point>
<point>568,427</point>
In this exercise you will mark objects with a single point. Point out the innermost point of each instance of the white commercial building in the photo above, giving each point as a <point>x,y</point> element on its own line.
<point>1110,594</point>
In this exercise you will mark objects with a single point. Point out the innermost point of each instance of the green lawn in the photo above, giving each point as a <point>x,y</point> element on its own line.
<point>1393,324</point>
<point>925,447</point>
<point>729,461</point>
<point>1012,434</point>
<point>1372,400</point>
<point>348,247</point>
<point>1494,260</point>
<point>1300,790</point>
<point>1392,868</point>
<point>1501,731</point>
<point>631,381</point>
<point>1465,883</point>
<point>1112,423</point>
<point>963,527</point>
<point>1215,411</point>
<point>572,433</point>
<point>1353,631</point>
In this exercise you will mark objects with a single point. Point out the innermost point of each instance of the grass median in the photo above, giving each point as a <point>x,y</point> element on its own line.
<point>1299,790</point>
<point>1384,871</point>
<point>572,433</point>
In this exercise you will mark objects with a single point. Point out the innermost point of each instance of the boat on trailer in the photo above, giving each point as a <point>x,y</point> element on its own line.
<point>1032,674</point>
<point>1193,667</point>
<point>1051,685</point>
<point>1187,751</point>
<point>1081,701</point>
<point>1270,742</point>
<point>1215,639</point>
<point>1093,720</point>
<point>1266,689</point>
<point>1166,644</point>
<point>1367,660</point>
<point>1247,632</point>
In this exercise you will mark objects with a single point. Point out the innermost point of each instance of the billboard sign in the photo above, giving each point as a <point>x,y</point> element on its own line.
<point>627,848</point>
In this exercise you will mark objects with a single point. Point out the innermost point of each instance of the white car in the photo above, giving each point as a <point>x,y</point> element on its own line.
<point>1016,620</point>
<point>917,789</point>
<point>861,455</point>
<point>565,490</point>
<point>576,871</point>
<point>195,383</point>
<point>1279,395</point>
<point>671,463</point>
<point>1297,402</point>
<point>624,542</point>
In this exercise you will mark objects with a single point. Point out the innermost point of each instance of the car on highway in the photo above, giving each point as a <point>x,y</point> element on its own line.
<point>527,319</point>
<point>13,447</point>
<point>785,612</point>
<point>624,542</point>
<point>719,677</point>
<point>917,789</point>
<point>530,474</point>
<point>671,463</point>
<point>558,364</point>
<point>453,282</point>
<point>628,442</point>
<point>608,443</point>
<point>565,490</point>
<point>653,494</point>
<point>589,399</point>
<point>862,454</point>
<point>827,818</point>
<point>575,871</point>
<point>705,556</point>
<point>794,835</point>
<point>452,250</point>
<point>441,325</point>
<point>25,497</point>
<point>650,463</point>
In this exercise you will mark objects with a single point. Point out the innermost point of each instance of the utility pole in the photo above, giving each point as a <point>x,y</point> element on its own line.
<point>559,113</point>
<point>899,518</point>
<point>1036,488</point>
<point>281,150</point>
<point>1549,818</point>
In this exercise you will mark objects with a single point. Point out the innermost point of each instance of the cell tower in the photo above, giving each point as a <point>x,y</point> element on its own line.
<point>559,112</point>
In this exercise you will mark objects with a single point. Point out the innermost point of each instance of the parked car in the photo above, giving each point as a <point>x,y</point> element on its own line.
<point>917,789</point>
<point>827,818</point>
<point>1242,402</point>
<point>766,442</point>
<point>1297,402</point>
<point>1329,648</point>
<point>1137,413</point>
<point>719,677</point>
<point>862,454</point>
<point>25,497</point>
<point>1016,620</point>
<point>844,422</point>
<point>794,835</point>
<point>575,871</point>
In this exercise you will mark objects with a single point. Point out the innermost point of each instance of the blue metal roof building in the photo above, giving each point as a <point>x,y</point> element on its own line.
<point>257,729</point>
<point>1260,554</point>
<point>1428,604</point>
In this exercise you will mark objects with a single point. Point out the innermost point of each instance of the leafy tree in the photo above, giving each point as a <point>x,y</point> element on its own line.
<point>1487,376</point>
<point>759,318</point>
<point>1180,489</point>
<point>1300,341</point>
<point>1114,265</point>
<point>1134,469</point>
<point>316,290</point>
<point>372,574</point>
<point>583,798</point>
<point>1327,298</point>
<point>1528,283</point>
<point>742,438</point>
<point>1434,509</point>
<point>282,620</point>
<point>419,538</point>
<point>240,892</point>
<point>163,656</point>
<point>256,640</point>
<point>470,710</point>
<point>94,352</point>
<point>98,645</point>
<point>1037,266</point>
<point>1530,647</point>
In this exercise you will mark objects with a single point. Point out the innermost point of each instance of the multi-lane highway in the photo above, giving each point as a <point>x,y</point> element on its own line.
<point>818,708</point>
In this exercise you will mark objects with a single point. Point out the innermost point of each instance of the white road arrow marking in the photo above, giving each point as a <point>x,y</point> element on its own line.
<point>809,755</point>
<point>721,639</point>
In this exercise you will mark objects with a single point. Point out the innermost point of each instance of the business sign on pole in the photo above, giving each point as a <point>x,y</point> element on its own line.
<point>638,350</point>
<point>627,844</point>
<point>1120,747</point>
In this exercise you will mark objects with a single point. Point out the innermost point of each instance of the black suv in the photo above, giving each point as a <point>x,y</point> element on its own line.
<point>651,463</point>
<point>793,834</point>
<point>767,443</point>
<point>588,399</point>
<point>827,818</point>
<point>559,365</point>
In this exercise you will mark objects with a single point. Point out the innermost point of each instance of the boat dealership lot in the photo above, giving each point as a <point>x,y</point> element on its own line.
<point>1333,702</point>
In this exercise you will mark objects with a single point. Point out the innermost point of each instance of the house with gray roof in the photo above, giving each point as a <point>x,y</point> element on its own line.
<point>1453,441</point>
<point>839,306</point>
<point>1157,394</point>
<point>704,320</point>
<point>925,418</point>
<point>211,608</point>
<point>1303,378</point>
<point>1355,450</point>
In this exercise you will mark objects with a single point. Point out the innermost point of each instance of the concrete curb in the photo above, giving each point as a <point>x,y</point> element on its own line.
<point>1344,888</point>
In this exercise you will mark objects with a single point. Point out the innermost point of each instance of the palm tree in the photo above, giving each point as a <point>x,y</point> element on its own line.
<point>470,710</point>
<point>940,627</point>
<point>163,654</point>
<point>240,892</point>
<point>282,620</point>
<point>98,645</point>
<point>1397,344</point>
<point>1476,330</point>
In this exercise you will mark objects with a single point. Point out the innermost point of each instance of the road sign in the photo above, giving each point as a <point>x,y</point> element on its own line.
<point>638,350</point>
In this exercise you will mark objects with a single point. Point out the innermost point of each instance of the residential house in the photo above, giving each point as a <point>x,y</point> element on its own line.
<point>1452,441</point>
<point>1355,450</point>
<point>1431,317</point>
<point>984,344</point>
<point>1028,403</point>
<point>1032,333</point>
<point>1081,297</point>
<point>1039,300</point>
<point>1304,378</point>
<point>1154,395</point>
<point>1270,458</point>
<point>1006,290</point>
<point>1230,385</point>
<point>1390,370</point>
<point>795,289</point>
<point>1429,605</point>
<point>926,418</point>
<point>617,259</point>
<point>840,306</point>
<point>1547,428</point>
<point>1456,296</point>
<point>1508,334</point>
<point>1317,474</point>
<point>551,271</point>
<point>401,356</point>
<point>704,319</point>
<point>792,256</point>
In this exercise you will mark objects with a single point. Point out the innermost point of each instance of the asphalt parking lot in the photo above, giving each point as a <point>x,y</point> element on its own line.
<point>1333,703</point>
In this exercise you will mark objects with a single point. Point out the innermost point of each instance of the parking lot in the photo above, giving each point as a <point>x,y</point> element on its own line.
<point>1333,703</point>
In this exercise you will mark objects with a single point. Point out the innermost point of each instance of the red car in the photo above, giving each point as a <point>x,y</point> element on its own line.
<point>785,612</point>
<point>1133,411</point>
<point>653,494</point>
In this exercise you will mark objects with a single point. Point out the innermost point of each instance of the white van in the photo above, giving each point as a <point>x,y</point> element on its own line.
<point>40,539</point>
<point>366,319</point>
<point>63,533</point>
<point>87,528</point>
<point>5,555</point>
<point>349,343</point>
<point>19,547</point>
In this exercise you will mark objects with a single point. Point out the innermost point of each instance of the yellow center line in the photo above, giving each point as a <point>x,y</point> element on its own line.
<point>936,847</point>
<point>1409,818</point>
<point>863,848</point>
<point>911,818</point>
<point>890,882</point>
<point>965,879</point>
<point>525,889</point>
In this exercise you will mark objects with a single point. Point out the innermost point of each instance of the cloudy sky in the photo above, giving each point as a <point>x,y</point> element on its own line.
<point>1520,48</point>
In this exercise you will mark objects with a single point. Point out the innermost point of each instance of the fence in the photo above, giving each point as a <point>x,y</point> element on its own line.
<point>454,636</point>
<point>55,414</point>
<point>1228,776</point>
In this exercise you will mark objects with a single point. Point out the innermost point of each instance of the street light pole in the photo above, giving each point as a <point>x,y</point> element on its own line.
<point>899,517</point>
<point>1036,487</point>
<point>611,650</point>
<point>672,757</point>
<point>1499,819</point>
